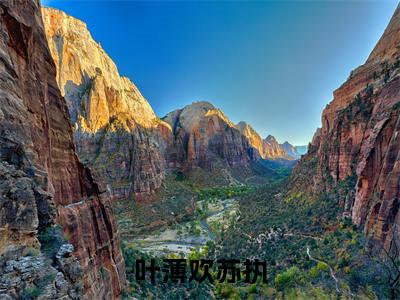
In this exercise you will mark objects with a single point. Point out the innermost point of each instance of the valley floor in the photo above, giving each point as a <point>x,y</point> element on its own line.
<point>312,252</point>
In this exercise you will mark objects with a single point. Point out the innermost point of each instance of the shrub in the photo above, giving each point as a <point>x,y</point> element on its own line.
<point>253,289</point>
<point>287,279</point>
<point>45,280</point>
<point>31,292</point>
<point>313,272</point>
<point>322,266</point>
<point>51,239</point>
<point>103,272</point>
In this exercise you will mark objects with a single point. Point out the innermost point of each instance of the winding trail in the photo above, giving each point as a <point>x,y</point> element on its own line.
<point>330,269</point>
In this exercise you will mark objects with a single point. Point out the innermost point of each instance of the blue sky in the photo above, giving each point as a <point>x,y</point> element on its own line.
<point>271,64</point>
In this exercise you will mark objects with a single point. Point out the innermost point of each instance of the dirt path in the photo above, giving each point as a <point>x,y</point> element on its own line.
<point>330,269</point>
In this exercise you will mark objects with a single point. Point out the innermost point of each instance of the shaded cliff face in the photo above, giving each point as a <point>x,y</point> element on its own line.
<point>204,136</point>
<point>359,139</point>
<point>115,127</point>
<point>42,183</point>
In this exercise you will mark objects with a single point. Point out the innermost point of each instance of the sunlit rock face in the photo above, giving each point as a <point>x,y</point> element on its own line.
<point>359,138</point>
<point>42,182</point>
<point>116,130</point>
<point>253,137</point>
<point>273,149</point>
<point>268,148</point>
<point>204,136</point>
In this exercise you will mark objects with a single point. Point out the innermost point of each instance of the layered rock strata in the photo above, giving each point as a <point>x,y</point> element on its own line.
<point>42,182</point>
<point>359,140</point>
<point>204,136</point>
<point>115,127</point>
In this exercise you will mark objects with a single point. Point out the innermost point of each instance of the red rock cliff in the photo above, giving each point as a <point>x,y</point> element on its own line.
<point>359,138</point>
<point>37,155</point>
<point>204,136</point>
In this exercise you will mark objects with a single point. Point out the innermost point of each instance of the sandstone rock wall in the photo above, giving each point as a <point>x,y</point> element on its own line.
<point>273,149</point>
<point>115,127</point>
<point>253,137</point>
<point>204,136</point>
<point>42,182</point>
<point>359,138</point>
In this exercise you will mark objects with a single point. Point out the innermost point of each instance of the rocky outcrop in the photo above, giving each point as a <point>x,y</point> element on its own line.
<point>30,275</point>
<point>42,182</point>
<point>359,140</point>
<point>116,130</point>
<point>204,137</point>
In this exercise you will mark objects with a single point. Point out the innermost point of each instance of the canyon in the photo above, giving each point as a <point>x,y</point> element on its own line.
<point>81,150</point>
<point>117,134</point>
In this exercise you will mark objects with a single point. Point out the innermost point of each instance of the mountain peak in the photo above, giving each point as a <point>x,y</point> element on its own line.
<point>291,150</point>
<point>206,105</point>
<point>270,138</point>
<point>286,143</point>
<point>242,126</point>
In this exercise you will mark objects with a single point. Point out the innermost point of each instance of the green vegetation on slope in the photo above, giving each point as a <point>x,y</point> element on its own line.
<point>311,250</point>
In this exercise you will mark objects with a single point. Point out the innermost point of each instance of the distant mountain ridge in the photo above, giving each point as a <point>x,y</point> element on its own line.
<point>269,148</point>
